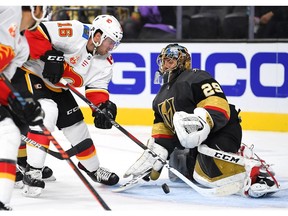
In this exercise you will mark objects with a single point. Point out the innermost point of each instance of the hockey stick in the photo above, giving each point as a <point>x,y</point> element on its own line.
<point>219,191</point>
<point>71,152</point>
<point>221,155</point>
<point>39,146</point>
<point>64,155</point>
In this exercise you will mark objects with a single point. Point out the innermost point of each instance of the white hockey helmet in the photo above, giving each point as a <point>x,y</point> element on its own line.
<point>46,15</point>
<point>109,27</point>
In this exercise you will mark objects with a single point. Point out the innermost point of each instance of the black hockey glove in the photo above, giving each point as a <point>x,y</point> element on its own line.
<point>31,114</point>
<point>110,109</point>
<point>54,65</point>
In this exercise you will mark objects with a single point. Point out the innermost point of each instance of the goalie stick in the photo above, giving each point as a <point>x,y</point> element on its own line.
<point>218,191</point>
<point>132,183</point>
<point>64,155</point>
<point>221,155</point>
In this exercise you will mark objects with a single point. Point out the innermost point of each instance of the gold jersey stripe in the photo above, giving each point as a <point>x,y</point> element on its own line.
<point>159,128</point>
<point>220,104</point>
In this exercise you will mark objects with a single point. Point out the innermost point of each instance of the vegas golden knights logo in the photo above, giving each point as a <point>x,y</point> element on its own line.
<point>167,110</point>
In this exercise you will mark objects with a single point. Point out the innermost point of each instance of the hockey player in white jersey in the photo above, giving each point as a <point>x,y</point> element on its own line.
<point>79,53</point>
<point>14,51</point>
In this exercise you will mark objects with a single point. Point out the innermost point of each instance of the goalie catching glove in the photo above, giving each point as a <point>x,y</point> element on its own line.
<point>192,129</point>
<point>108,108</point>
<point>147,161</point>
<point>54,65</point>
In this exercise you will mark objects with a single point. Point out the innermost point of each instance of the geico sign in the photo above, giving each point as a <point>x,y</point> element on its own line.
<point>238,59</point>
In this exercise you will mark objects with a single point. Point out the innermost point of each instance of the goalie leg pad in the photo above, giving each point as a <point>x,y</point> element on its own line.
<point>258,178</point>
<point>147,161</point>
<point>178,160</point>
<point>213,172</point>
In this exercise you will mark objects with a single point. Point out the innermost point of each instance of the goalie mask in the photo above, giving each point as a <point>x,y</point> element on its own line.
<point>108,26</point>
<point>178,58</point>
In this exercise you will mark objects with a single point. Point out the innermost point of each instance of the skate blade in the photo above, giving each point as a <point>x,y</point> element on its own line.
<point>29,191</point>
<point>18,185</point>
<point>51,178</point>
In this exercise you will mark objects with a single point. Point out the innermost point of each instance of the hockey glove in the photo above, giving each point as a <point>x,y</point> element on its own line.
<point>110,109</point>
<point>31,114</point>
<point>147,161</point>
<point>192,129</point>
<point>54,65</point>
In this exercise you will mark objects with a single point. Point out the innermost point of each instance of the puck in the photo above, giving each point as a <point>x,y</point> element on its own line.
<point>165,188</point>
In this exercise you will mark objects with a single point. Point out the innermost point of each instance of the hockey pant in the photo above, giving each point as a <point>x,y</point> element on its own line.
<point>61,110</point>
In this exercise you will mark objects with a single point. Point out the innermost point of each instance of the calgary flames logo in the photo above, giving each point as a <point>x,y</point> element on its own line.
<point>74,59</point>
<point>12,29</point>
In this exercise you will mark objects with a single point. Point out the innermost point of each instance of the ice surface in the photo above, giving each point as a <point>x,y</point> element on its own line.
<point>69,196</point>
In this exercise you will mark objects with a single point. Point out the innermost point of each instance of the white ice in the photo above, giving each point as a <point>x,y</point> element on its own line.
<point>68,195</point>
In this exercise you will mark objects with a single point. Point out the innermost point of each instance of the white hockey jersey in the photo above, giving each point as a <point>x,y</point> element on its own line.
<point>81,68</point>
<point>10,37</point>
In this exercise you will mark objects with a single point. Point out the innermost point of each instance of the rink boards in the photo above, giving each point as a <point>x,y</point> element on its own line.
<point>254,77</point>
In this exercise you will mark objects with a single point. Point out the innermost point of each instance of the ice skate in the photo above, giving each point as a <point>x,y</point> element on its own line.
<point>47,174</point>
<point>33,183</point>
<point>101,175</point>
<point>261,187</point>
<point>19,178</point>
<point>4,207</point>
